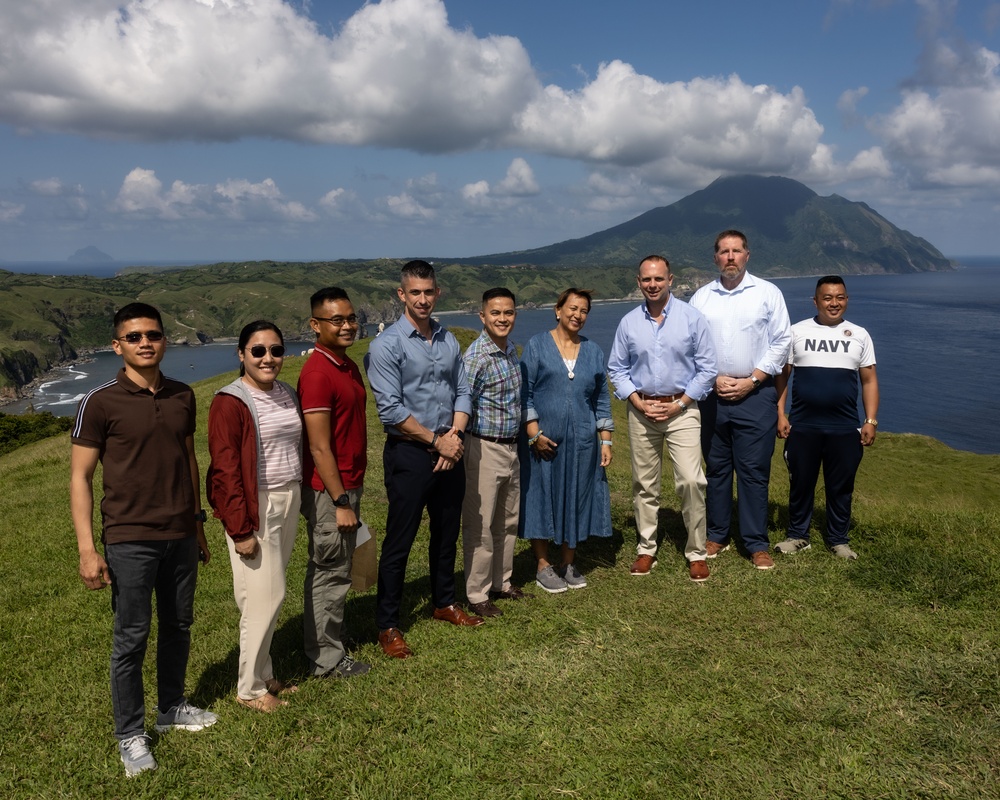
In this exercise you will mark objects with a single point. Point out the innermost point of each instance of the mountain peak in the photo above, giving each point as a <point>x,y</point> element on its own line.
<point>790,228</point>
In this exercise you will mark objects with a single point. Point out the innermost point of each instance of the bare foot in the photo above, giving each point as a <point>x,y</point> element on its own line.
<point>266,702</point>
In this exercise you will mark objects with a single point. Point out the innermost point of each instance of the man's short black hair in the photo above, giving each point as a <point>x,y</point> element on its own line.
<point>136,311</point>
<point>835,279</point>
<point>330,293</point>
<point>498,291</point>
<point>418,269</point>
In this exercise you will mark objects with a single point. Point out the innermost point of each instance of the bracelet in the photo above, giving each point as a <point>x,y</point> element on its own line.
<point>872,422</point>
<point>534,438</point>
<point>606,442</point>
<point>684,408</point>
<point>434,441</point>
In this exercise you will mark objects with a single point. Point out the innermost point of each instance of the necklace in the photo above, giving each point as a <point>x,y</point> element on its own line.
<point>568,356</point>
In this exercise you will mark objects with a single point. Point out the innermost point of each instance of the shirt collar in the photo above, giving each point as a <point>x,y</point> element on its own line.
<point>490,344</point>
<point>132,387</point>
<point>405,321</point>
<point>329,354</point>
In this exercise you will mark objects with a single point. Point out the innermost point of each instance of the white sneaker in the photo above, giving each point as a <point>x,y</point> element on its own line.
<point>790,546</point>
<point>136,756</point>
<point>185,717</point>
<point>843,551</point>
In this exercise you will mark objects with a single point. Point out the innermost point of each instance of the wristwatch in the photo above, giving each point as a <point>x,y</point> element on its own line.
<point>342,502</point>
<point>200,515</point>
<point>756,381</point>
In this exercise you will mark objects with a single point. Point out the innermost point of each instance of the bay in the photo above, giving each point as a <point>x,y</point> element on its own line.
<point>933,334</point>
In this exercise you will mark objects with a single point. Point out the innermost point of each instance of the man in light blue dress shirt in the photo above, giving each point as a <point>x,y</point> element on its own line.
<point>422,394</point>
<point>752,334</point>
<point>663,362</point>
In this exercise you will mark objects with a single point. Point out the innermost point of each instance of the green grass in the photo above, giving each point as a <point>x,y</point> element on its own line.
<point>873,679</point>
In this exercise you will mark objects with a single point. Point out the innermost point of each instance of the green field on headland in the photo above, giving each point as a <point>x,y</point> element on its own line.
<point>45,320</point>
<point>873,679</point>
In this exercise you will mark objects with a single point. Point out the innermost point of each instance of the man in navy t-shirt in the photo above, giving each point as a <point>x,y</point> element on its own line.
<point>830,358</point>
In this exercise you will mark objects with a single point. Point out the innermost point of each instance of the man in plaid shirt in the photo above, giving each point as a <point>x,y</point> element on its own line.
<point>492,472</point>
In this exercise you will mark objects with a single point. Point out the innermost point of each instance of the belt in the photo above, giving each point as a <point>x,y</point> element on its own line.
<point>495,439</point>
<point>670,398</point>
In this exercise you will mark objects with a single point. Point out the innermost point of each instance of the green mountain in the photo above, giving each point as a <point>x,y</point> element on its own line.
<point>46,320</point>
<point>791,230</point>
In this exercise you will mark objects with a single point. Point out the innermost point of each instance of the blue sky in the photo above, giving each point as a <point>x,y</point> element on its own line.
<point>162,130</point>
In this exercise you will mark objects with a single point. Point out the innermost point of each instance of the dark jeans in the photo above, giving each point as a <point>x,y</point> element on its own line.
<point>411,485</point>
<point>840,456</point>
<point>138,569</point>
<point>739,437</point>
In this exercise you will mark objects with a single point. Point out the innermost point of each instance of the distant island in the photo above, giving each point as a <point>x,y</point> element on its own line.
<point>90,255</point>
<point>46,320</point>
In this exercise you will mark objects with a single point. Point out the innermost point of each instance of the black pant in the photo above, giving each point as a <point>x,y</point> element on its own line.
<point>840,456</point>
<point>412,485</point>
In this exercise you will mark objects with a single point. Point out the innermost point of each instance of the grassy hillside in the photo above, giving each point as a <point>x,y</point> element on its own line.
<point>873,679</point>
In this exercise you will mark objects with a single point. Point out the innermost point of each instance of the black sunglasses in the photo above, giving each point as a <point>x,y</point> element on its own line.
<point>259,351</point>
<point>134,337</point>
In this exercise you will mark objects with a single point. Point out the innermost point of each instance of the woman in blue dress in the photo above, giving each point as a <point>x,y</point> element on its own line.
<point>567,412</point>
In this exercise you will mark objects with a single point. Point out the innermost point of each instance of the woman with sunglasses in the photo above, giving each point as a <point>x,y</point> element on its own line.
<point>255,440</point>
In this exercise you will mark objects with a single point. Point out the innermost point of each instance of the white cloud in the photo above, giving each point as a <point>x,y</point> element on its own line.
<point>406,207</point>
<point>236,199</point>
<point>519,180</point>
<point>10,211</point>
<point>54,187</point>
<point>847,103</point>
<point>396,74</point>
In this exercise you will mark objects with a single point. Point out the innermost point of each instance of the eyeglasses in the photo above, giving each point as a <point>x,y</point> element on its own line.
<point>339,322</point>
<point>134,337</point>
<point>259,351</point>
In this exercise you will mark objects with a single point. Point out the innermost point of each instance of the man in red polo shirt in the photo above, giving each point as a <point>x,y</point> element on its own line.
<point>333,403</point>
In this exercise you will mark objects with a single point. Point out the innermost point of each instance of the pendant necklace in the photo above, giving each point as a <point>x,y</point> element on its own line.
<point>569,362</point>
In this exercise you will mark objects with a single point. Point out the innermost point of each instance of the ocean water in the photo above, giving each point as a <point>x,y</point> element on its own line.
<point>934,336</point>
<point>933,332</point>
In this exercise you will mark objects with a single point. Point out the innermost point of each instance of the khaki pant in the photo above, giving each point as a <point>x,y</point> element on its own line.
<point>259,585</point>
<point>682,436</point>
<point>489,516</point>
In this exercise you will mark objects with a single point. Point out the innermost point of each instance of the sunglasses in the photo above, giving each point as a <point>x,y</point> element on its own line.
<point>259,351</point>
<point>134,337</point>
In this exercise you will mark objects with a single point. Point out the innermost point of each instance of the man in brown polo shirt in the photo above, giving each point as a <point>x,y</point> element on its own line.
<point>140,427</point>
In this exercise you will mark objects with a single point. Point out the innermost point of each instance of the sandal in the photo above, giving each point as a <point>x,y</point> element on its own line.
<point>276,687</point>
<point>266,702</point>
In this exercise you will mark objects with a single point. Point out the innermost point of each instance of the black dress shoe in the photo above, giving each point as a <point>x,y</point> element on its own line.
<point>513,593</point>
<point>485,609</point>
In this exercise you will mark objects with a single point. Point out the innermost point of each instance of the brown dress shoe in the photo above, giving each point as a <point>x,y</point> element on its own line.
<point>513,593</point>
<point>714,548</point>
<point>485,609</point>
<point>762,560</point>
<point>643,565</point>
<point>698,570</point>
<point>393,644</point>
<point>456,616</point>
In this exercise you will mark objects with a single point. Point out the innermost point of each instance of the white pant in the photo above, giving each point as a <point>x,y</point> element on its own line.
<point>682,436</point>
<point>259,585</point>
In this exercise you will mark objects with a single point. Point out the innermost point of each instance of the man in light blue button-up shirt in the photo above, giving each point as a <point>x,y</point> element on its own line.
<point>422,395</point>
<point>662,362</point>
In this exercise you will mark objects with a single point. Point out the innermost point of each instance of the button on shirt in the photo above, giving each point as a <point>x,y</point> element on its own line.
<point>749,324</point>
<point>495,381</point>
<point>411,376</point>
<point>673,356</point>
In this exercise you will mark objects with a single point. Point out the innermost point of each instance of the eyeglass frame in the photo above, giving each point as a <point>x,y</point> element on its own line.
<point>351,320</point>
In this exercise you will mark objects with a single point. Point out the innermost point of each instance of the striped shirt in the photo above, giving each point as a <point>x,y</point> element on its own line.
<point>495,380</point>
<point>280,431</point>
